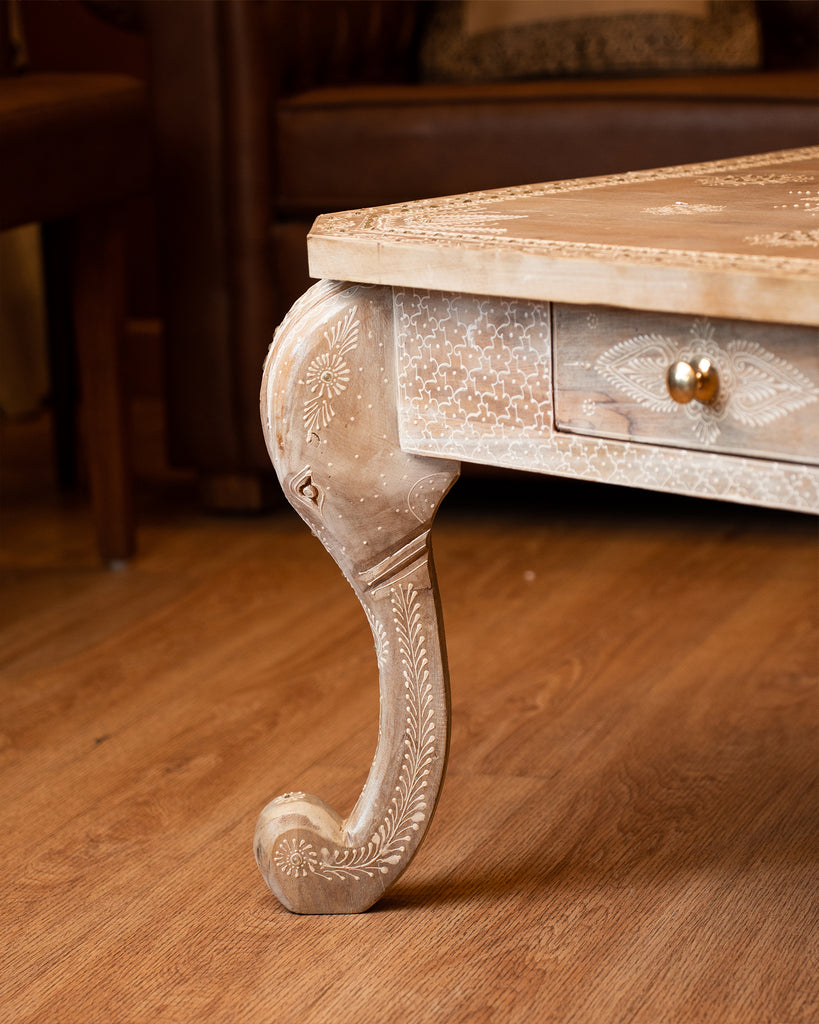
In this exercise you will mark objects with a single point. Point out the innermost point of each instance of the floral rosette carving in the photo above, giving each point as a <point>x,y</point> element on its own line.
<point>328,374</point>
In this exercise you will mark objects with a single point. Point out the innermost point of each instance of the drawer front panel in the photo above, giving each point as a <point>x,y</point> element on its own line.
<point>610,369</point>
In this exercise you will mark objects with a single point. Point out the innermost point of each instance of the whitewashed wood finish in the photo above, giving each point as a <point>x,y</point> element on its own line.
<point>610,371</point>
<point>734,239</point>
<point>330,422</point>
<point>475,384</point>
<point>372,394</point>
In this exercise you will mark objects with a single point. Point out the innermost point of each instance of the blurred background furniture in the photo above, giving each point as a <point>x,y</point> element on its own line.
<point>269,113</point>
<point>73,149</point>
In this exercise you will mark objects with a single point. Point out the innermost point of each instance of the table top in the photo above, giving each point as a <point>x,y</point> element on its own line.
<point>731,238</point>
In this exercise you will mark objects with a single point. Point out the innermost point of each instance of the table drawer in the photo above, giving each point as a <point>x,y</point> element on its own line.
<point>610,380</point>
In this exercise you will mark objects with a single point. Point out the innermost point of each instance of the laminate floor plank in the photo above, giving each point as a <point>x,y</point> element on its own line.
<point>629,831</point>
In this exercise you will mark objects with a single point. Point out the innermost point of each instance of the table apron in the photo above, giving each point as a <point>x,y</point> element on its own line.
<point>477,381</point>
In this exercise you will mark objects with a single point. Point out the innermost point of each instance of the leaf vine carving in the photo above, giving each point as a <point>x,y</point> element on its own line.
<point>408,806</point>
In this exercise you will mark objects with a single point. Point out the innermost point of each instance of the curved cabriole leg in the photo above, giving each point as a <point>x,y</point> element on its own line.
<point>328,409</point>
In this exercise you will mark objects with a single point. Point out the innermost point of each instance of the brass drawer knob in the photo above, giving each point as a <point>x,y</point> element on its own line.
<point>697,380</point>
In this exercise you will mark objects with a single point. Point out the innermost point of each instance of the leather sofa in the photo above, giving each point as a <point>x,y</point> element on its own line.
<point>269,113</point>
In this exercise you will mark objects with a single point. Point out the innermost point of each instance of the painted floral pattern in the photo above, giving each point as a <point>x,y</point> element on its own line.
<point>408,807</point>
<point>328,374</point>
<point>295,858</point>
<point>757,387</point>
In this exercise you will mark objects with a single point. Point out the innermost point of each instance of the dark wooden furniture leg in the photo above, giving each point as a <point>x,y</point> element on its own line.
<point>98,322</point>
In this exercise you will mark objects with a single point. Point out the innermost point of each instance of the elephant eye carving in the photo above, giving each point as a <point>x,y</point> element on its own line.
<point>304,488</point>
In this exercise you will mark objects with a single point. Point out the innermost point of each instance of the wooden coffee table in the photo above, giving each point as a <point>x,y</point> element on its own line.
<point>655,329</point>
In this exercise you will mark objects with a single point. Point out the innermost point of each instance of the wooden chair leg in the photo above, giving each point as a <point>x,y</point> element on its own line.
<point>99,306</point>
<point>62,353</point>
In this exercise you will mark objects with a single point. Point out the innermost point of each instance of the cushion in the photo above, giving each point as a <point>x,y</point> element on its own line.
<point>466,42</point>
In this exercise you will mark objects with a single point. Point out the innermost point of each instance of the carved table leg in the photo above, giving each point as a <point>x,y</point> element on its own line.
<point>328,409</point>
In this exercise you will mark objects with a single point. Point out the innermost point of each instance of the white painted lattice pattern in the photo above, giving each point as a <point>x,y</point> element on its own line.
<point>474,383</point>
<point>474,367</point>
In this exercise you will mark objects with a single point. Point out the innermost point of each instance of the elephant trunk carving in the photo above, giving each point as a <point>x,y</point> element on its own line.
<point>338,457</point>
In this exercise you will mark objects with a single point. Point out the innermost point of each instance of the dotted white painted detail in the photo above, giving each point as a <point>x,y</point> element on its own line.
<point>507,419</point>
<point>409,806</point>
<point>457,220</point>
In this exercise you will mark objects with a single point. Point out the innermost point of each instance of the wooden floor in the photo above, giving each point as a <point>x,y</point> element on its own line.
<point>630,827</point>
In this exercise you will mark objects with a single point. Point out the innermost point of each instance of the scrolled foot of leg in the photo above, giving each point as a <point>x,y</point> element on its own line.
<point>331,428</point>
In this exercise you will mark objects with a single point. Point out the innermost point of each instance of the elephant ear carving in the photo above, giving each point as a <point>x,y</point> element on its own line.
<point>426,494</point>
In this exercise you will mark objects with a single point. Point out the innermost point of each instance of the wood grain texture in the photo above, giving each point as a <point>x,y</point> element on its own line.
<point>475,383</point>
<point>629,830</point>
<point>99,322</point>
<point>730,238</point>
<point>610,370</point>
<point>331,427</point>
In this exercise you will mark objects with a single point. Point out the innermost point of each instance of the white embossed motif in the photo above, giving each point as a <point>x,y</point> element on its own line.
<point>409,805</point>
<point>328,373</point>
<point>474,383</point>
